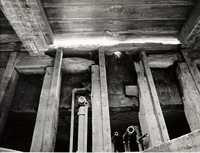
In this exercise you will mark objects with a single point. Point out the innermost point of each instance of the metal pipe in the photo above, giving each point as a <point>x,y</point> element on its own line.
<point>72,117</point>
<point>86,127</point>
<point>81,130</point>
<point>126,138</point>
<point>113,141</point>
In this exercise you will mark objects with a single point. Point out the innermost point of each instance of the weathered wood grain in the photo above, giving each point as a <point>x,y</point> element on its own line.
<point>51,119</point>
<point>189,34</point>
<point>118,11</point>
<point>162,60</point>
<point>117,2</point>
<point>105,103</point>
<point>38,134</point>
<point>186,143</point>
<point>29,22</point>
<point>7,89</point>
<point>191,96</point>
<point>156,103</point>
<point>193,69</point>
<point>147,116</point>
<point>84,25</point>
<point>97,125</point>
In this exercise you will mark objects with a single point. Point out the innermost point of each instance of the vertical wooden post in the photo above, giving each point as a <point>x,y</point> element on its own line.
<point>97,127</point>
<point>105,103</point>
<point>7,89</point>
<point>52,109</point>
<point>193,70</point>
<point>191,96</point>
<point>156,104</point>
<point>38,134</point>
<point>147,116</point>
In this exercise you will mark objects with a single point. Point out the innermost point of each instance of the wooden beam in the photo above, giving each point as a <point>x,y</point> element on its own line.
<point>51,121</point>
<point>154,96</point>
<point>27,64</point>
<point>189,33</point>
<point>186,143</point>
<point>147,116</point>
<point>44,136</point>
<point>162,60</point>
<point>7,90</point>
<point>97,126</point>
<point>10,47</point>
<point>105,103</point>
<point>7,38</point>
<point>38,134</point>
<point>190,97</point>
<point>30,23</point>
<point>193,69</point>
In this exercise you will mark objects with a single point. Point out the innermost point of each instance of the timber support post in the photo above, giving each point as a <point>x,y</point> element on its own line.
<point>7,89</point>
<point>45,131</point>
<point>105,103</point>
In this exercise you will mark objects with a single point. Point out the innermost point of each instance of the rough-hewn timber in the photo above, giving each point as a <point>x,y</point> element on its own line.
<point>191,96</point>
<point>30,24</point>
<point>38,134</point>
<point>105,103</point>
<point>189,34</point>
<point>7,89</point>
<point>97,126</point>
<point>186,143</point>
<point>155,100</point>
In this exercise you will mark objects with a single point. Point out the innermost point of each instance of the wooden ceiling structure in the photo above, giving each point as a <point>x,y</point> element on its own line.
<point>40,23</point>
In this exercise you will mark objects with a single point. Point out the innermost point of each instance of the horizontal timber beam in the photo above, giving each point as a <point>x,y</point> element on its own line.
<point>189,34</point>
<point>30,23</point>
<point>162,60</point>
<point>186,143</point>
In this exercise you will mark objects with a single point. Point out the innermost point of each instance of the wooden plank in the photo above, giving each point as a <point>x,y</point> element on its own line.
<point>154,95</point>
<point>105,103</point>
<point>186,143</point>
<point>162,60</point>
<point>191,96</point>
<point>118,11</point>
<point>10,47</point>
<point>51,119</point>
<point>30,24</point>
<point>25,61</point>
<point>84,25</point>
<point>97,126</point>
<point>116,2</point>
<point>7,90</point>
<point>189,33</point>
<point>193,69</point>
<point>38,134</point>
<point>6,38</point>
<point>147,116</point>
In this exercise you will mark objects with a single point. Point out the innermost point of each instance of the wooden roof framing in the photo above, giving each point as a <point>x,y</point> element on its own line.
<point>41,21</point>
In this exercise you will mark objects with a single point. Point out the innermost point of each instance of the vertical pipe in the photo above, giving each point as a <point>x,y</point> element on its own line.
<point>81,126</point>
<point>86,128</point>
<point>72,117</point>
<point>72,122</point>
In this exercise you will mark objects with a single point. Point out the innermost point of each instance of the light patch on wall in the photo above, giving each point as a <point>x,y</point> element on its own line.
<point>118,54</point>
<point>109,41</point>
